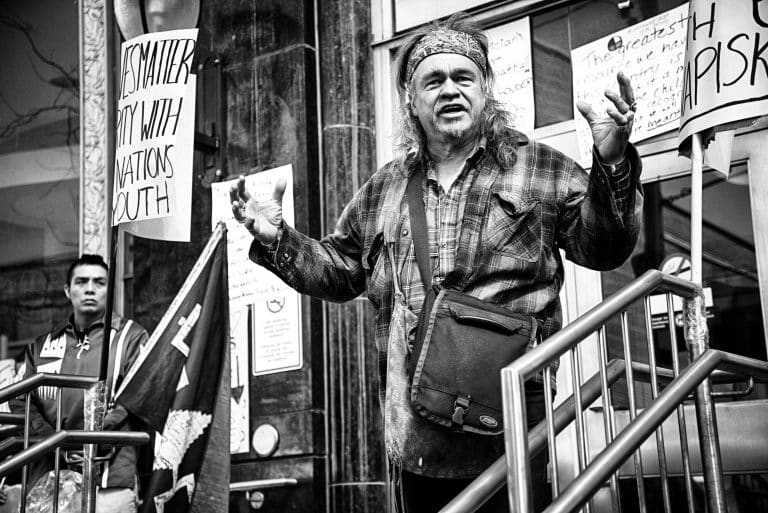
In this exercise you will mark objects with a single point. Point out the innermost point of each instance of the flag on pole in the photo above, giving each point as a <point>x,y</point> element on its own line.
<point>179,386</point>
<point>725,77</point>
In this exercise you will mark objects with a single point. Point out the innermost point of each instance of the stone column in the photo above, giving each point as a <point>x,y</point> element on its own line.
<point>357,474</point>
<point>95,120</point>
<point>269,60</point>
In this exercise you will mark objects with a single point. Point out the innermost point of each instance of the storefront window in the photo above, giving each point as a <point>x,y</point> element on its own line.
<point>411,13</point>
<point>729,268</point>
<point>39,163</point>
<point>556,32</point>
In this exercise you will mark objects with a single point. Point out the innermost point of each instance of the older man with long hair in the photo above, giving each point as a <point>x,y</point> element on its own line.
<point>499,209</point>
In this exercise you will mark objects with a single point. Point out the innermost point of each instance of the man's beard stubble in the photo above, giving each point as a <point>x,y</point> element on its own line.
<point>454,130</point>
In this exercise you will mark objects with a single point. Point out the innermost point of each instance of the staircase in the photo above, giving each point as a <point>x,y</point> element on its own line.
<point>684,448</point>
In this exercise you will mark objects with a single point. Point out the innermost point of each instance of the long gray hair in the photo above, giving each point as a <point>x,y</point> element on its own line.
<point>496,121</point>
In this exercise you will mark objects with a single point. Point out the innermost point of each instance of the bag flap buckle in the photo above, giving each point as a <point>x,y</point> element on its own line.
<point>460,409</point>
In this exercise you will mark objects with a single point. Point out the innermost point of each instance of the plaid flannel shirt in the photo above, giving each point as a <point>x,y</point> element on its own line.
<point>505,249</point>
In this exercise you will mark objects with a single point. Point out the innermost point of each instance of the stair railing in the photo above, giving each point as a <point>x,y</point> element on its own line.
<point>492,480</point>
<point>55,442</point>
<point>634,434</point>
<point>696,376</point>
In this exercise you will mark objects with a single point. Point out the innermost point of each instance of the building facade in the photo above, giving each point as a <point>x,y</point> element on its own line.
<point>309,83</point>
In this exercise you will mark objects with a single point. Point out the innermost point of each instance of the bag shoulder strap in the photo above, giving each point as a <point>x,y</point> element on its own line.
<point>116,370</point>
<point>415,194</point>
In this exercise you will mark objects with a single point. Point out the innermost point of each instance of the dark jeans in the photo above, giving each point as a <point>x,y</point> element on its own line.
<point>428,495</point>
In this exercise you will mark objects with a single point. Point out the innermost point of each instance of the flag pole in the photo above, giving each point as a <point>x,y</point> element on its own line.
<point>95,398</point>
<point>104,361</point>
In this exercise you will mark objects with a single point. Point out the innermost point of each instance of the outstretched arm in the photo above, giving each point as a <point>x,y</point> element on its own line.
<point>329,268</point>
<point>602,215</point>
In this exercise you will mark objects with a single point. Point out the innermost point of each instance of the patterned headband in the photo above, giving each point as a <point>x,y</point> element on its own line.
<point>447,41</point>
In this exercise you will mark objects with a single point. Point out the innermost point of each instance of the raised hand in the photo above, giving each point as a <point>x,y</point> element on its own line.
<point>611,133</point>
<point>261,218</point>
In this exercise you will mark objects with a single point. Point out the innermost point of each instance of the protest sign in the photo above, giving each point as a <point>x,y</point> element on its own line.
<point>274,307</point>
<point>725,80</point>
<point>651,53</point>
<point>154,135</point>
<point>509,52</point>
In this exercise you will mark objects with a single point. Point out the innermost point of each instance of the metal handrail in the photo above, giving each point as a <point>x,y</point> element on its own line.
<point>12,443</point>
<point>567,338</point>
<point>16,419</point>
<point>262,484</point>
<point>492,479</point>
<point>53,443</point>
<point>514,376</point>
<point>26,385</point>
<point>483,487</point>
<point>67,438</point>
<point>609,460</point>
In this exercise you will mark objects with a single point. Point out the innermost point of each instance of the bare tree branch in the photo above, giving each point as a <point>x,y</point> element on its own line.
<point>69,84</point>
<point>24,119</point>
<point>26,29</point>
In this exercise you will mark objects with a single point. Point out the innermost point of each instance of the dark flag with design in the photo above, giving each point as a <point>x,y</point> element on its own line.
<point>179,386</point>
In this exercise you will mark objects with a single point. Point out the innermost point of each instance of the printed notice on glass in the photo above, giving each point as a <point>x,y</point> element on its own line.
<point>239,431</point>
<point>276,331</point>
<point>652,54</point>
<point>275,307</point>
<point>509,51</point>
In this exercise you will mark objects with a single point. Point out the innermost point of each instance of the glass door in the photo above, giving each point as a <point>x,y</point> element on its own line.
<point>39,164</point>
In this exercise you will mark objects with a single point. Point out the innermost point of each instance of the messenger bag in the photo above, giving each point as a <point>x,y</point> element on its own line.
<point>461,344</point>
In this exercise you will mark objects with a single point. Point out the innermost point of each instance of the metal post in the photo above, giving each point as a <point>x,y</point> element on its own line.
<point>551,434</point>
<point>697,165</point>
<point>516,441</point>
<point>639,475</point>
<point>609,424</point>
<point>581,443</point>
<point>95,398</point>
<point>25,470</point>
<point>94,408</point>
<point>697,338</point>
<point>3,346</point>
<point>680,412</point>
<point>660,446</point>
<point>57,454</point>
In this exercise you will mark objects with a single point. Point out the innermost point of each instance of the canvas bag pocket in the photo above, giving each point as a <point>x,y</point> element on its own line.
<point>461,345</point>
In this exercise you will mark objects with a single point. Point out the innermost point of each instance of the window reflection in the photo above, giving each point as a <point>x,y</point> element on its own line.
<point>729,265</point>
<point>39,162</point>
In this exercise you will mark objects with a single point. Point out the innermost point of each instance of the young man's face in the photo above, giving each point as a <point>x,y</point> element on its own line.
<point>87,291</point>
<point>448,97</point>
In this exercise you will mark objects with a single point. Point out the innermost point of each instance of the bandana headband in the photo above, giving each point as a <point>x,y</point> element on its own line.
<point>446,41</point>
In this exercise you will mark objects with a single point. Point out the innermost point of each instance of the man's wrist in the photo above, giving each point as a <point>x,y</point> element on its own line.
<point>271,247</point>
<point>616,169</point>
<point>610,167</point>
